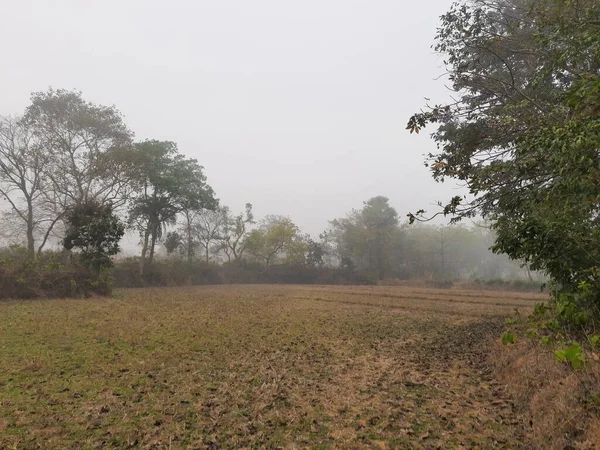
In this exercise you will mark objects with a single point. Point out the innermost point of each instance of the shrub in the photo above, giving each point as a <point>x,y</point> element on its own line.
<point>45,278</point>
<point>177,272</point>
<point>167,272</point>
<point>95,231</point>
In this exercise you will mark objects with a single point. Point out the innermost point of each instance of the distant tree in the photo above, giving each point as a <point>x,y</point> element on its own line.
<point>235,232</point>
<point>455,250</point>
<point>94,230</point>
<point>331,251</point>
<point>208,228</point>
<point>166,184</point>
<point>348,239</point>
<point>381,221</point>
<point>315,252</point>
<point>23,182</point>
<point>297,251</point>
<point>365,237</point>
<point>200,230</point>
<point>277,238</point>
<point>174,242</point>
<point>442,240</point>
<point>196,200</point>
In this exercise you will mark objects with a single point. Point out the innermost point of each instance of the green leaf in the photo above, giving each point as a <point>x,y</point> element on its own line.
<point>508,338</point>
<point>561,355</point>
<point>572,354</point>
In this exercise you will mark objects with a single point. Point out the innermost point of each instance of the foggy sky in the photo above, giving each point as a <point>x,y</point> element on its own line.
<point>298,107</point>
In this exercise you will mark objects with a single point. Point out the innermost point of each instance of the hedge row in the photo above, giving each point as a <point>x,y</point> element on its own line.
<point>50,280</point>
<point>175,272</point>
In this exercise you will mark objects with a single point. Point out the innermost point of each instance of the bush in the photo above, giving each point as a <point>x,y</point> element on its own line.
<point>177,272</point>
<point>510,285</point>
<point>168,272</point>
<point>47,278</point>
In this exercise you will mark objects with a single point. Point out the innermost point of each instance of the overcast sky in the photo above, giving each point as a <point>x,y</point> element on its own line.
<point>298,107</point>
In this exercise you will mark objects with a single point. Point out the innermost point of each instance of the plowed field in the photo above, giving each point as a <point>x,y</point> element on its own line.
<point>256,367</point>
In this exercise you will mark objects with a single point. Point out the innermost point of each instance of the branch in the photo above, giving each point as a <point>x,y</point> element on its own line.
<point>48,231</point>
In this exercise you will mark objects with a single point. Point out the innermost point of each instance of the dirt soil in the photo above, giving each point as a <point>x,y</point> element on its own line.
<point>257,367</point>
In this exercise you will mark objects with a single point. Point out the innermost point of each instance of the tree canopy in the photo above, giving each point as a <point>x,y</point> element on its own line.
<point>80,138</point>
<point>523,133</point>
<point>277,238</point>
<point>167,184</point>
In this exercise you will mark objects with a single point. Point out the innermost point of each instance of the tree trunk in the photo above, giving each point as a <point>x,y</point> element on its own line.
<point>380,259</point>
<point>207,257</point>
<point>529,273</point>
<point>30,237</point>
<point>443,265</point>
<point>153,244</point>
<point>144,251</point>
<point>190,251</point>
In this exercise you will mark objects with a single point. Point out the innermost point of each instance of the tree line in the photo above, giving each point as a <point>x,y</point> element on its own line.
<point>70,170</point>
<point>72,173</point>
<point>368,244</point>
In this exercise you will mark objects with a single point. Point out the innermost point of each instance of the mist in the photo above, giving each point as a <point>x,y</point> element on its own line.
<point>299,109</point>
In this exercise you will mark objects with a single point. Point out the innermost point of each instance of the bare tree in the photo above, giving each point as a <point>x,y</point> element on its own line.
<point>84,143</point>
<point>23,182</point>
<point>442,240</point>
<point>186,238</point>
<point>208,227</point>
<point>233,240</point>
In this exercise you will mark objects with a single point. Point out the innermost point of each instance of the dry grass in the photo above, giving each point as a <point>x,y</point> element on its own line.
<point>559,406</point>
<point>256,367</point>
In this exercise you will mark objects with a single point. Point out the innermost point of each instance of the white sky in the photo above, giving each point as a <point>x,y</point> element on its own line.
<point>298,107</point>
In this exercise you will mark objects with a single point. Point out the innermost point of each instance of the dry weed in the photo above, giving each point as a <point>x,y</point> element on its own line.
<point>553,398</point>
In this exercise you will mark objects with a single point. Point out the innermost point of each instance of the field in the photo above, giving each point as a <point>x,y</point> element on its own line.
<point>256,367</point>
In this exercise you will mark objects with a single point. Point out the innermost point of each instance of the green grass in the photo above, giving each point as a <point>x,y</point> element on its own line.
<point>241,367</point>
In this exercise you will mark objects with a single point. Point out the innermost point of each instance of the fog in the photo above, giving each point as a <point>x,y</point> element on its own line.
<point>297,107</point>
